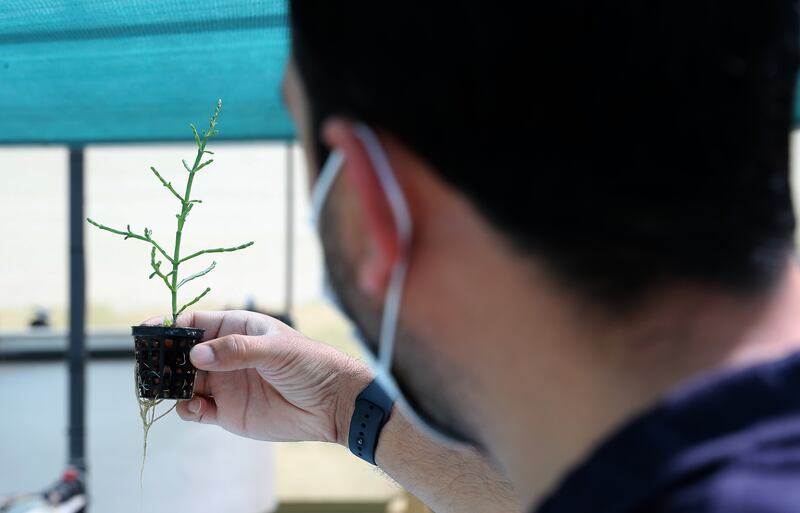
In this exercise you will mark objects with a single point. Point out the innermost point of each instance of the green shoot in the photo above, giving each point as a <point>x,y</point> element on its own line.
<point>170,273</point>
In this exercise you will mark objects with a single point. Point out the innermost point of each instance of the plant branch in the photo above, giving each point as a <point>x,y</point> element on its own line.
<point>167,184</point>
<point>196,136</point>
<point>157,269</point>
<point>215,250</point>
<point>193,301</point>
<point>172,278</point>
<point>131,235</point>
<point>204,164</point>
<point>186,207</point>
<point>197,275</point>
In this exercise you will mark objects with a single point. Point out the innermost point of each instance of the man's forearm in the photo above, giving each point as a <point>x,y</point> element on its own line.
<point>445,479</point>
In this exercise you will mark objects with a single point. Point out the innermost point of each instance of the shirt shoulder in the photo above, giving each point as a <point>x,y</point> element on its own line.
<point>765,481</point>
<point>728,443</point>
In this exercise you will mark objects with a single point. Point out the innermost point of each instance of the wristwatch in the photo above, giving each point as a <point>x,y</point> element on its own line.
<point>372,410</point>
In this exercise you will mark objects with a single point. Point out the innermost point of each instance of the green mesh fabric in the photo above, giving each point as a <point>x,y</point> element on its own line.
<point>83,71</point>
<point>88,71</point>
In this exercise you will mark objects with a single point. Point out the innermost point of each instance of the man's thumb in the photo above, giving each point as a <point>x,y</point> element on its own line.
<point>231,352</point>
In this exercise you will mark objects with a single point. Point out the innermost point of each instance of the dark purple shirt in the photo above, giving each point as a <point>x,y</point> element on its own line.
<point>727,444</point>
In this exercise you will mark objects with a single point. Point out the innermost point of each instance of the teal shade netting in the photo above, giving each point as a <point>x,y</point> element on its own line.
<point>88,71</point>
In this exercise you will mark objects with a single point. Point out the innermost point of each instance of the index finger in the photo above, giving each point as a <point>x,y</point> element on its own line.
<point>219,324</point>
<point>210,322</point>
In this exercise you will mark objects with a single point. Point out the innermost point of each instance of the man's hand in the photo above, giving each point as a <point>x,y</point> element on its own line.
<point>261,379</point>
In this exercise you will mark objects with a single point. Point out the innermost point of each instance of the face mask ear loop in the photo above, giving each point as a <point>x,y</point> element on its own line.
<point>325,180</point>
<point>393,300</point>
<point>402,218</point>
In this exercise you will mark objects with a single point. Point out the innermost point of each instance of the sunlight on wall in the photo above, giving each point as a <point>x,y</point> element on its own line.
<point>244,195</point>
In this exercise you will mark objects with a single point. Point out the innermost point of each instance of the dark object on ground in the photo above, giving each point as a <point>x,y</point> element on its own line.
<point>284,318</point>
<point>40,320</point>
<point>69,490</point>
<point>250,306</point>
<point>68,495</point>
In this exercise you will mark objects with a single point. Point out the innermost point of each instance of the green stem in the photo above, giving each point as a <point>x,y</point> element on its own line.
<point>216,250</point>
<point>193,301</point>
<point>166,184</point>
<point>131,235</point>
<point>185,207</point>
<point>157,269</point>
<point>172,279</point>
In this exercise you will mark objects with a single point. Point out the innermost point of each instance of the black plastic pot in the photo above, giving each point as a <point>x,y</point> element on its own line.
<point>163,370</point>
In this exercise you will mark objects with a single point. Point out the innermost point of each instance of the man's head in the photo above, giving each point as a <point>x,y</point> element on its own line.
<point>623,147</point>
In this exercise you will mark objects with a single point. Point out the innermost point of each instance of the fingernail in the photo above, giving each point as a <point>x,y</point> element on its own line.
<point>194,406</point>
<point>202,355</point>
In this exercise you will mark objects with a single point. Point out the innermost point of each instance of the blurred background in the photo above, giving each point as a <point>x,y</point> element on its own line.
<point>245,199</point>
<point>93,93</point>
<point>200,468</point>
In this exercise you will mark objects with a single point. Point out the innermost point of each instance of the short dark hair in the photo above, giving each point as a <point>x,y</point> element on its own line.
<point>627,143</point>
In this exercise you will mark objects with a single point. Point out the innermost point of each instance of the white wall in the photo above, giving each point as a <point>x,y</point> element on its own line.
<point>190,467</point>
<point>244,195</point>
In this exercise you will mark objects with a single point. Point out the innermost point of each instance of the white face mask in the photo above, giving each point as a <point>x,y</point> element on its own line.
<point>382,363</point>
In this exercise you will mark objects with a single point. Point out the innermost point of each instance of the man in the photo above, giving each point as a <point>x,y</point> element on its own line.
<point>565,232</point>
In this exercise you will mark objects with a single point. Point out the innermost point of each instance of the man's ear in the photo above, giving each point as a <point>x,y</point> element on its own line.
<point>381,239</point>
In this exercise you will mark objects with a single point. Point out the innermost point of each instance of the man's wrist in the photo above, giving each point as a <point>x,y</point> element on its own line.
<point>353,382</point>
<point>372,410</point>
